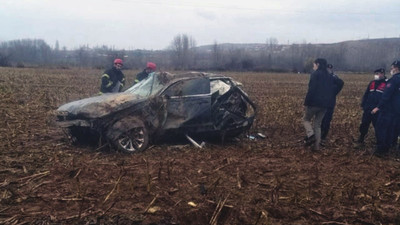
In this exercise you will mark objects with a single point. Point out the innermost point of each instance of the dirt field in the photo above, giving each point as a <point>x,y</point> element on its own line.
<point>45,180</point>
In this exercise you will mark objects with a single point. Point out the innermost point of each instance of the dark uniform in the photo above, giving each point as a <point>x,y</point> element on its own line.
<point>141,76</point>
<point>388,122</point>
<point>370,100</point>
<point>113,80</point>
<point>326,121</point>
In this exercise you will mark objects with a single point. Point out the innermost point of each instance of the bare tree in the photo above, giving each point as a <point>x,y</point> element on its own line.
<point>182,47</point>
<point>4,60</point>
<point>216,55</point>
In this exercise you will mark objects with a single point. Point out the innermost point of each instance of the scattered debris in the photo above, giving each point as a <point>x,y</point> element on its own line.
<point>192,204</point>
<point>260,135</point>
<point>195,143</point>
<point>251,137</point>
<point>153,209</point>
<point>256,136</point>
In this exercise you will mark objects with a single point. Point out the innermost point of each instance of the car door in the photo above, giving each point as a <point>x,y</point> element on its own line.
<point>188,103</point>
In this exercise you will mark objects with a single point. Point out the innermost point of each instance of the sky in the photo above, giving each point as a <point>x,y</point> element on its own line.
<point>152,24</point>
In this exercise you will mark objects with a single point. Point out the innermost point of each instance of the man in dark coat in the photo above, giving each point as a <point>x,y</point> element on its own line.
<point>388,123</point>
<point>150,68</point>
<point>320,96</point>
<point>326,121</point>
<point>113,80</point>
<point>370,100</point>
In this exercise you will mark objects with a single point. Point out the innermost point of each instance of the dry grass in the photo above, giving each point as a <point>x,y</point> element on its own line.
<point>45,180</point>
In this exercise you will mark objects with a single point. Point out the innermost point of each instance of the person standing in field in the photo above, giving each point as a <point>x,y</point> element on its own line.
<point>319,97</point>
<point>388,123</point>
<point>370,100</point>
<point>113,80</point>
<point>326,121</point>
<point>150,68</point>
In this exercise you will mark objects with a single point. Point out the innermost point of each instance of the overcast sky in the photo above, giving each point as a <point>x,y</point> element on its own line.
<point>152,24</point>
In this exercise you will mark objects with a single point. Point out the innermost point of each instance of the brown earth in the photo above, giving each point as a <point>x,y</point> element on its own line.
<point>45,180</point>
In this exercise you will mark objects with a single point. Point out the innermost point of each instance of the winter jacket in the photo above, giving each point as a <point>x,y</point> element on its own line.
<point>373,94</point>
<point>113,80</point>
<point>321,90</point>
<point>391,96</point>
<point>141,76</point>
<point>338,85</point>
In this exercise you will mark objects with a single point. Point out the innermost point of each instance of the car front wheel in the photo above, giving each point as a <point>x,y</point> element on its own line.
<point>134,140</point>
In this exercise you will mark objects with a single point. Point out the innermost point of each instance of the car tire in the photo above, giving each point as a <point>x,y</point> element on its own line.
<point>134,140</point>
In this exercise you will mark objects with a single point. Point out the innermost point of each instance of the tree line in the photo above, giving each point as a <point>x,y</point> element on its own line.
<point>183,54</point>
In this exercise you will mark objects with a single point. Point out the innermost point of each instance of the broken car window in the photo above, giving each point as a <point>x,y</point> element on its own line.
<point>189,87</point>
<point>147,87</point>
<point>219,85</point>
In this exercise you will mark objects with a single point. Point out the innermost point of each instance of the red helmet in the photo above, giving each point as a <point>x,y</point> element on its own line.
<point>118,61</point>
<point>151,65</point>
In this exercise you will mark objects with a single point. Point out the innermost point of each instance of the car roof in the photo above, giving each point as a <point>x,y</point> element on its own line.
<point>194,74</point>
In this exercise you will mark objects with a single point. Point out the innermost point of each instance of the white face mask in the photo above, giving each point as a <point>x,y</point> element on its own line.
<point>376,77</point>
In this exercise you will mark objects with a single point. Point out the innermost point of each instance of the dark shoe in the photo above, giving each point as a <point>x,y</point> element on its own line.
<point>358,145</point>
<point>308,141</point>
<point>315,148</point>
<point>380,154</point>
<point>322,143</point>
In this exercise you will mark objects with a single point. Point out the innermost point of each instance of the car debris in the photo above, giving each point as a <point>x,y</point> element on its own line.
<point>251,137</point>
<point>194,104</point>
<point>195,143</point>
<point>256,136</point>
<point>260,135</point>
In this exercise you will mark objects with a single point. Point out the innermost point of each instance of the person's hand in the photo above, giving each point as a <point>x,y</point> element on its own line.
<point>375,110</point>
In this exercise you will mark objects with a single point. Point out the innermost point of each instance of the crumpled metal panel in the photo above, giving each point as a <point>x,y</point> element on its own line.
<point>187,110</point>
<point>99,106</point>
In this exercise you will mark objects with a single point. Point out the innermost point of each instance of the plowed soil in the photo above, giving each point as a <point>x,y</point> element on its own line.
<point>46,180</point>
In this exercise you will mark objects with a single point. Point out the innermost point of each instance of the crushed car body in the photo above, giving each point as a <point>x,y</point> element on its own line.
<point>192,103</point>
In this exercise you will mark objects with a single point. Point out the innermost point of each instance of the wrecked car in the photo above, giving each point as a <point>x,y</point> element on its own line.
<point>194,104</point>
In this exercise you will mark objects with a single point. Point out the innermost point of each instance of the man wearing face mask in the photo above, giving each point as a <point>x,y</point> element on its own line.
<point>388,122</point>
<point>370,100</point>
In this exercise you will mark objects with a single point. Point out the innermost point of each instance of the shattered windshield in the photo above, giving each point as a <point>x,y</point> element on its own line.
<point>220,86</point>
<point>147,87</point>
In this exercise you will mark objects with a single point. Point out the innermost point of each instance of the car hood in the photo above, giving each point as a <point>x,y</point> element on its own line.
<point>98,106</point>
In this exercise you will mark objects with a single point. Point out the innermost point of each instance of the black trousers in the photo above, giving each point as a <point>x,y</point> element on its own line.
<point>326,122</point>
<point>387,131</point>
<point>367,119</point>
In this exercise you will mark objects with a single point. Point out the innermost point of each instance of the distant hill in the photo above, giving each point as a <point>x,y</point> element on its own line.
<point>364,43</point>
<point>355,55</point>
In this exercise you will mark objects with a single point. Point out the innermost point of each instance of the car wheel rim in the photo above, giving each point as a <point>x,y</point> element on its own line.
<point>132,141</point>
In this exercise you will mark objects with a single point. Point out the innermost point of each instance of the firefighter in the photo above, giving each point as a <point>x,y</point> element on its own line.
<point>370,100</point>
<point>113,80</point>
<point>387,125</point>
<point>326,121</point>
<point>150,68</point>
